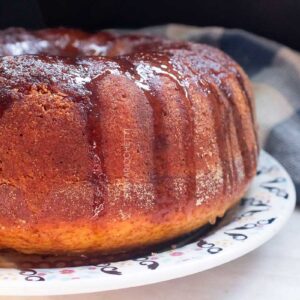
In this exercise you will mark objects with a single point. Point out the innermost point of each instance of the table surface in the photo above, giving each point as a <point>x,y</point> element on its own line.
<point>270,272</point>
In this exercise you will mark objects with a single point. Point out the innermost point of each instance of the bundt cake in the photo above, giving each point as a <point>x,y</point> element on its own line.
<point>110,142</point>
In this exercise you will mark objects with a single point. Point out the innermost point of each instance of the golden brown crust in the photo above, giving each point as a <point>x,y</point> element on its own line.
<point>112,153</point>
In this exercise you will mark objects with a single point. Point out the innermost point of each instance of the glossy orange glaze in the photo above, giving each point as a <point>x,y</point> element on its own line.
<point>109,153</point>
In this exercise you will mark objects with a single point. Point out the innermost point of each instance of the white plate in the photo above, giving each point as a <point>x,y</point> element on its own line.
<point>266,207</point>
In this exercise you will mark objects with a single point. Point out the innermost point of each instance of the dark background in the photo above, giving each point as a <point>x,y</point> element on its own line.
<point>275,19</point>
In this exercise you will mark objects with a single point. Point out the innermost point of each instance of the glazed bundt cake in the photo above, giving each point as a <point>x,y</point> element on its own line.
<point>110,143</point>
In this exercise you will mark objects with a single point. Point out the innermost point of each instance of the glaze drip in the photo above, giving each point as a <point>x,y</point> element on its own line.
<point>154,71</point>
<point>94,132</point>
<point>250,104</point>
<point>220,127</point>
<point>240,129</point>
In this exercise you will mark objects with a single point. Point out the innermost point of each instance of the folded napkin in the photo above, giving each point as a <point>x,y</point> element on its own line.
<point>275,71</point>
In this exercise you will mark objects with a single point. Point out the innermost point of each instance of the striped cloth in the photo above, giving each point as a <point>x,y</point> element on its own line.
<point>275,72</point>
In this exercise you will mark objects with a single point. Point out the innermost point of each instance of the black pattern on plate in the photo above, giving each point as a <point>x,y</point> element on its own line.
<point>108,269</point>
<point>211,248</point>
<point>145,261</point>
<point>31,275</point>
<point>279,192</point>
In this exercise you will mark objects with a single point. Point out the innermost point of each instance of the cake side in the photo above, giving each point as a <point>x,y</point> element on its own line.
<point>113,153</point>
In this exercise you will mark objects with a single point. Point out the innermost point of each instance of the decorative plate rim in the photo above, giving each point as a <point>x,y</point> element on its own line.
<point>139,278</point>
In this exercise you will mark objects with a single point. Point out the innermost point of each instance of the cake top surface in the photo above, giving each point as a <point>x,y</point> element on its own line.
<point>70,58</point>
